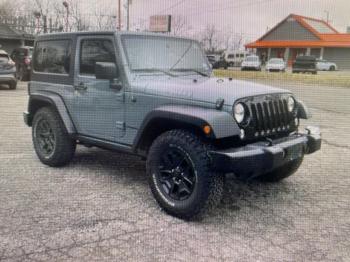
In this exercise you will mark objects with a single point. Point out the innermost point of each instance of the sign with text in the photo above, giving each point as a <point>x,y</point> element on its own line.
<point>160,23</point>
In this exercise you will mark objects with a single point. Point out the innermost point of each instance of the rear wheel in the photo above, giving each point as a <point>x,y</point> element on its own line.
<point>282,172</point>
<point>51,141</point>
<point>180,178</point>
<point>13,85</point>
<point>21,74</point>
<point>332,68</point>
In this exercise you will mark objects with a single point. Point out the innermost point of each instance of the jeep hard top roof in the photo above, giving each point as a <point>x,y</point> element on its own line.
<point>66,35</point>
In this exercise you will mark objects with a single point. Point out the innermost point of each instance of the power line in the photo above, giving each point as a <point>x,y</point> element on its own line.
<point>171,7</point>
<point>232,7</point>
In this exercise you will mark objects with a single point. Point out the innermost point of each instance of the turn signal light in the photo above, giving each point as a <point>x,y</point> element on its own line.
<point>207,129</point>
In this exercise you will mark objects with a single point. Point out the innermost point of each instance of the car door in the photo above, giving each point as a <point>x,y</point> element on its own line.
<point>97,108</point>
<point>322,65</point>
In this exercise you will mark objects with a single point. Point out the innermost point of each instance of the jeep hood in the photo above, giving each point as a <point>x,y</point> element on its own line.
<point>202,89</point>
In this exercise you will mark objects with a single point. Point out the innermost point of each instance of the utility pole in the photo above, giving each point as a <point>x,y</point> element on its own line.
<point>66,5</point>
<point>119,16</point>
<point>327,12</point>
<point>127,14</point>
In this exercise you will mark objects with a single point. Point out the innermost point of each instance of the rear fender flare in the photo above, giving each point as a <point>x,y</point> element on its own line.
<point>38,99</point>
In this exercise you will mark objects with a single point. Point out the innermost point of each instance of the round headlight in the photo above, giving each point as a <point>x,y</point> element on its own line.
<point>238,112</point>
<point>291,104</point>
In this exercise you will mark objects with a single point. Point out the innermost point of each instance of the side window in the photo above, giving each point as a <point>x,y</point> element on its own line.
<point>95,50</point>
<point>52,56</point>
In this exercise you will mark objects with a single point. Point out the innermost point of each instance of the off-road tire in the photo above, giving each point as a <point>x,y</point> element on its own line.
<point>208,189</point>
<point>282,172</point>
<point>332,68</point>
<point>64,146</point>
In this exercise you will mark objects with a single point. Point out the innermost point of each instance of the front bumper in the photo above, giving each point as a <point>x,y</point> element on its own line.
<point>258,158</point>
<point>8,78</point>
<point>275,69</point>
<point>250,67</point>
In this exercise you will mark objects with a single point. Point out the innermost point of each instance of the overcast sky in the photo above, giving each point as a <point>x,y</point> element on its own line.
<point>250,17</point>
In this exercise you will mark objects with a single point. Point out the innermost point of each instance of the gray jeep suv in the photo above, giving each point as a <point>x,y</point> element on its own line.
<point>154,96</point>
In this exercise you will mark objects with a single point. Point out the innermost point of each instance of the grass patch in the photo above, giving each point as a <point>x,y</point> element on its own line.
<point>341,79</point>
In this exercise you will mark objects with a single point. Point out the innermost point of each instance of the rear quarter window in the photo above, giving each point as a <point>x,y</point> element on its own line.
<point>52,56</point>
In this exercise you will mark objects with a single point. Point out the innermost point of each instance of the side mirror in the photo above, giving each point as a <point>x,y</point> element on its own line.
<point>106,70</point>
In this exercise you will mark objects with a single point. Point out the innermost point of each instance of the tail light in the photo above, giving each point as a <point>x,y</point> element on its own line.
<point>10,64</point>
<point>27,61</point>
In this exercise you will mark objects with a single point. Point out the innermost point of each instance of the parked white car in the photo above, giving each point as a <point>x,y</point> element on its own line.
<point>251,63</point>
<point>276,64</point>
<point>324,65</point>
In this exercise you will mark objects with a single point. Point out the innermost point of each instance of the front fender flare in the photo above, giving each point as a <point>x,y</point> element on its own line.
<point>222,123</point>
<point>303,110</point>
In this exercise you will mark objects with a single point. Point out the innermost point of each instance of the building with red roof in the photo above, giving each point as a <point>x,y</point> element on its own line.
<point>300,35</point>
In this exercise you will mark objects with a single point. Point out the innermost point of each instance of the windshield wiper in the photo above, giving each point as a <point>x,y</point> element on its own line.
<point>182,56</point>
<point>155,70</point>
<point>191,69</point>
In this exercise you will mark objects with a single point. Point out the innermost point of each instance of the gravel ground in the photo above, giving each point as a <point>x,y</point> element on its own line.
<point>99,208</point>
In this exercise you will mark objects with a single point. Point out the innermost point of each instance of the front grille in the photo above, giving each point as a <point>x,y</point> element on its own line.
<point>268,115</point>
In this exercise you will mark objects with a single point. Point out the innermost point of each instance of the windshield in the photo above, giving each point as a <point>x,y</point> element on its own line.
<point>164,54</point>
<point>276,61</point>
<point>251,59</point>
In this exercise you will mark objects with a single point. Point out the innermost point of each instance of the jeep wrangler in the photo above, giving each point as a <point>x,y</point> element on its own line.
<point>154,96</point>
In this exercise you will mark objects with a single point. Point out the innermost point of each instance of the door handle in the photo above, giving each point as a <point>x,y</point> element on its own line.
<point>80,86</point>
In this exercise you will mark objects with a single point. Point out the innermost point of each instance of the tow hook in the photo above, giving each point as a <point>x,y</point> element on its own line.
<point>269,140</point>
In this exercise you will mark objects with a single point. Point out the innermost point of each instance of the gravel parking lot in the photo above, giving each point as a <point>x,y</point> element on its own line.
<point>100,206</point>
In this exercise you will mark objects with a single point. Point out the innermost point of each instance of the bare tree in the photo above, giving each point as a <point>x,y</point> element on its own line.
<point>105,19</point>
<point>210,38</point>
<point>231,41</point>
<point>12,15</point>
<point>179,26</point>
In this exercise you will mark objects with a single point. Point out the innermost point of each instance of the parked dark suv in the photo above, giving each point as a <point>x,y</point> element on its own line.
<point>305,64</point>
<point>22,56</point>
<point>154,96</point>
<point>217,61</point>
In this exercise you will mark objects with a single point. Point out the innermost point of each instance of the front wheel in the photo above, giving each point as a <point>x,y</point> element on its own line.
<point>180,178</point>
<point>282,172</point>
<point>51,141</point>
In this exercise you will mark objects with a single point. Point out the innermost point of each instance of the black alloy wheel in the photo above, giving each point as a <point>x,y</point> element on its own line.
<point>51,141</point>
<point>45,137</point>
<point>176,176</point>
<point>180,174</point>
